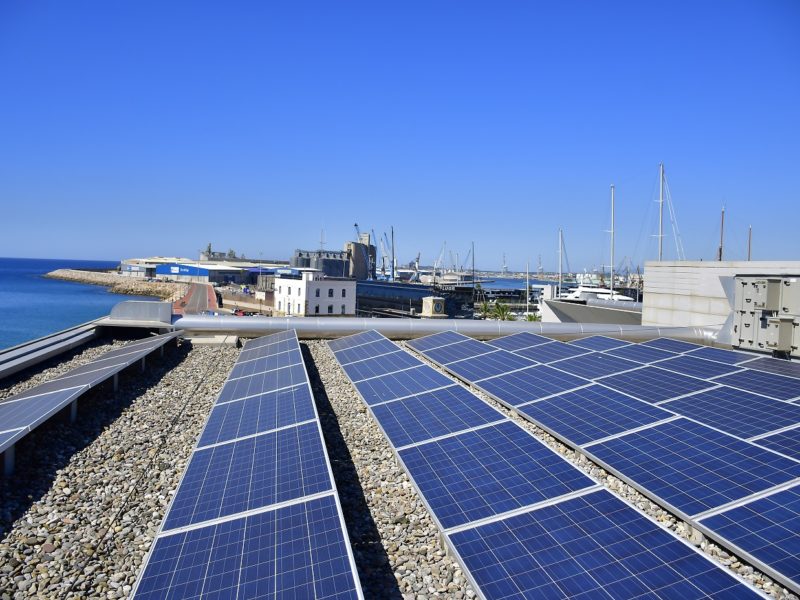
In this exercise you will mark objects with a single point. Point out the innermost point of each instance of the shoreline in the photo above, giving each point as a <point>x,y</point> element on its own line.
<point>120,284</point>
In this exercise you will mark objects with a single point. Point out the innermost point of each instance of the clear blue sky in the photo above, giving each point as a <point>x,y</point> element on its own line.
<point>141,128</point>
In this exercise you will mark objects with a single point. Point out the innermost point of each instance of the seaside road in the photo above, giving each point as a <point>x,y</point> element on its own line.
<point>199,298</point>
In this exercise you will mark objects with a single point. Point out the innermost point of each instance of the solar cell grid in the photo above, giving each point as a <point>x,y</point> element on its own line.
<point>489,365</point>
<point>298,551</point>
<point>547,353</point>
<point>436,340</point>
<point>694,468</point>
<point>641,354</point>
<point>245,387</point>
<point>736,412</point>
<point>267,350</point>
<point>785,442</point>
<point>518,341</point>
<point>401,384</point>
<point>365,351</point>
<point>592,413</point>
<point>671,345</point>
<point>355,340</point>
<point>488,471</point>
<point>32,411</point>
<point>769,384</point>
<point>652,384</point>
<point>599,343</point>
<point>7,438</point>
<point>594,365</point>
<point>777,366</point>
<point>591,546</point>
<point>696,367</point>
<point>250,473</point>
<point>530,384</point>
<point>258,414</point>
<point>267,363</point>
<point>459,351</point>
<point>729,357</point>
<point>433,414</point>
<point>767,528</point>
<point>272,338</point>
<point>382,365</point>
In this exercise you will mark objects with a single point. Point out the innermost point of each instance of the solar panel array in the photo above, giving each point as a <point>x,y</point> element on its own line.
<point>522,520</point>
<point>22,413</point>
<point>256,513</point>
<point>693,427</point>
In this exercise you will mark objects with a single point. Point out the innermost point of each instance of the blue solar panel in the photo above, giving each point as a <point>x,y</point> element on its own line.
<point>487,472</point>
<point>641,354</point>
<point>736,412</point>
<point>592,413</point>
<point>592,546</point>
<point>267,350</point>
<point>355,340</point>
<point>258,414</point>
<point>402,384</point>
<point>768,529</point>
<point>769,384</point>
<point>785,442</point>
<point>34,409</point>
<point>433,414</point>
<point>546,353</point>
<point>436,340</point>
<point>729,357</point>
<point>671,345</point>
<point>530,384</point>
<point>273,338</point>
<point>247,368</point>
<point>489,365</point>
<point>297,551</point>
<point>694,468</point>
<point>373,367</point>
<point>250,473</point>
<point>459,351</point>
<point>245,387</point>
<point>777,366</point>
<point>519,341</point>
<point>364,351</point>
<point>696,367</point>
<point>599,342</point>
<point>7,438</point>
<point>652,384</point>
<point>595,364</point>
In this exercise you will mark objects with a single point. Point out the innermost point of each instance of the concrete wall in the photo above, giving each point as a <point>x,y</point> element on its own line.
<point>693,293</point>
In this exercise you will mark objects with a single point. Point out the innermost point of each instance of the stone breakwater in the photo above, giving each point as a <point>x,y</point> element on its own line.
<point>120,284</point>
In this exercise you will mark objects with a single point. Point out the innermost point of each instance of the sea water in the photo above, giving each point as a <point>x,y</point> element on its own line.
<point>32,306</point>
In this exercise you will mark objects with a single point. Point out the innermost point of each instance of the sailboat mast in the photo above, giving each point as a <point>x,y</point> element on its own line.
<point>560,251</point>
<point>612,241</point>
<point>660,211</point>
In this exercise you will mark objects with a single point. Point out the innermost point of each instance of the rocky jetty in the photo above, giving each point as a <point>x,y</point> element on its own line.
<point>120,284</point>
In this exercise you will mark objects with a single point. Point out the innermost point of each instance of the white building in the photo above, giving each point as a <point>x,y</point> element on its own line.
<point>308,293</point>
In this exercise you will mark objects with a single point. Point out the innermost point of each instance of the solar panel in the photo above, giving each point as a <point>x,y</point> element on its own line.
<point>459,351</point>
<point>769,384</point>
<point>768,529</point>
<point>436,340</point>
<point>31,411</point>
<point>530,384</point>
<point>595,364</point>
<point>785,442</point>
<point>729,357</point>
<point>7,438</point>
<point>266,350</point>
<point>433,414</point>
<point>671,345</point>
<point>599,342</point>
<point>271,339</point>
<point>736,412</point>
<point>592,413</point>
<point>518,341</point>
<point>691,467</point>
<point>381,365</point>
<point>232,420</point>
<point>489,365</point>
<point>267,363</point>
<point>255,385</point>
<point>488,471</point>
<point>250,473</point>
<point>297,551</point>
<point>591,546</point>
<point>401,384</point>
<point>547,353</point>
<point>640,353</point>
<point>364,351</point>
<point>777,366</point>
<point>354,340</point>
<point>652,384</point>
<point>696,367</point>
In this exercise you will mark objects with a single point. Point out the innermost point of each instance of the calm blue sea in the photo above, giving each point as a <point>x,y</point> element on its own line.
<point>500,283</point>
<point>32,306</point>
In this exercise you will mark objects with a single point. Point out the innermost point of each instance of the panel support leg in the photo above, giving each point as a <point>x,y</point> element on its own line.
<point>116,382</point>
<point>8,461</point>
<point>73,411</point>
<point>162,351</point>
<point>143,364</point>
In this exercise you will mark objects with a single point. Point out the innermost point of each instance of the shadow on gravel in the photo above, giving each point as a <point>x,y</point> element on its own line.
<point>372,562</point>
<point>49,448</point>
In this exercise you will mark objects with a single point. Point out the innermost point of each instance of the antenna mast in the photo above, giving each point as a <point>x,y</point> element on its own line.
<point>560,252</point>
<point>749,240</point>
<point>721,233</point>
<point>660,211</point>
<point>612,241</point>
